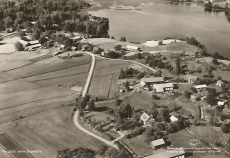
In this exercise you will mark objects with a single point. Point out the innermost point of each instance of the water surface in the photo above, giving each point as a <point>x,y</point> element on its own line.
<point>160,20</point>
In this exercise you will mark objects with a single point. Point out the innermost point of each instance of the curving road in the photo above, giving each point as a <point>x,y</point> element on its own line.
<point>75,120</point>
<point>85,90</point>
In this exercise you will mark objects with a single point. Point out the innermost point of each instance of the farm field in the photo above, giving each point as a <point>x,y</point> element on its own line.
<point>65,81</point>
<point>9,144</point>
<point>48,65</point>
<point>56,133</point>
<point>105,77</point>
<point>60,73</point>
<point>15,86</point>
<point>29,96</point>
<point>28,109</point>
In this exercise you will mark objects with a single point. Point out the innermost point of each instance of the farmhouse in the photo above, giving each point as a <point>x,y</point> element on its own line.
<point>152,80</point>
<point>200,88</point>
<point>169,154</point>
<point>159,88</point>
<point>145,117</point>
<point>220,83</point>
<point>156,144</point>
<point>133,48</point>
<point>33,47</point>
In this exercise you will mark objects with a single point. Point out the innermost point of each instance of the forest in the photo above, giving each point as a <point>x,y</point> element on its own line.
<point>43,15</point>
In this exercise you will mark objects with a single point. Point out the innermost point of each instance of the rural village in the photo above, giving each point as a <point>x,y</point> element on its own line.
<point>71,92</point>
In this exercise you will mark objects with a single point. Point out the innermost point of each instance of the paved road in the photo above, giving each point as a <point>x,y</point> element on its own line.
<point>75,120</point>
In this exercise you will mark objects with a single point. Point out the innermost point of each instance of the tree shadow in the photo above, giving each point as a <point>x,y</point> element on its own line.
<point>2,43</point>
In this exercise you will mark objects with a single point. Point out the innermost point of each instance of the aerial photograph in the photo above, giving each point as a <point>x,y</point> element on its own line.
<point>114,78</point>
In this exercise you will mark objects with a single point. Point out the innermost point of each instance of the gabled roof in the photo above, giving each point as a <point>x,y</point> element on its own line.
<point>153,79</point>
<point>174,114</point>
<point>158,142</point>
<point>201,86</point>
<point>24,43</point>
<point>145,117</point>
<point>34,42</point>
<point>173,119</point>
<point>132,47</point>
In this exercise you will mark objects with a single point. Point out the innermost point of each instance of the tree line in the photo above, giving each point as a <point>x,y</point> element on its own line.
<point>51,15</point>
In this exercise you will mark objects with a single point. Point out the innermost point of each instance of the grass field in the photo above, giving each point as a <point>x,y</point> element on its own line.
<point>139,146</point>
<point>56,133</point>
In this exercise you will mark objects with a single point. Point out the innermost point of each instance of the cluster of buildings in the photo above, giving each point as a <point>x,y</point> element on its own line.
<point>30,45</point>
<point>157,84</point>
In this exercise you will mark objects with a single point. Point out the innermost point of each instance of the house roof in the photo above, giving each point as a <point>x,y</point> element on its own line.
<point>191,77</point>
<point>153,79</point>
<point>201,86</point>
<point>220,103</point>
<point>132,47</point>
<point>157,142</point>
<point>173,119</point>
<point>35,46</point>
<point>167,154</point>
<point>24,43</point>
<point>145,117</point>
<point>33,42</point>
<point>160,87</point>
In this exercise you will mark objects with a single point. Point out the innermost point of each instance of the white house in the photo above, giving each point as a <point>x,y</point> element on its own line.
<point>157,143</point>
<point>200,88</point>
<point>221,103</point>
<point>145,117</point>
<point>132,48</point>
<point>173,119</point>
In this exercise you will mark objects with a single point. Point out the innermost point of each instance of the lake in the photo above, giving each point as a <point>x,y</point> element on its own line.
<point>160,20</point>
